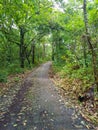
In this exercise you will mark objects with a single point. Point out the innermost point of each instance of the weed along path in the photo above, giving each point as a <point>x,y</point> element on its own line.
<point>38,106</point>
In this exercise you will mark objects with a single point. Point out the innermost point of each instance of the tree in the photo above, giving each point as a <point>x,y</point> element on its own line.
<point>88,38</point>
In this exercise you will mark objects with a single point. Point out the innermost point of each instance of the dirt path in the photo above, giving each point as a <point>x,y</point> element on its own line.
<point>38,106</point>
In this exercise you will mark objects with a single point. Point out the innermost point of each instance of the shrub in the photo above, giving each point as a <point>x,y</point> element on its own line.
<point>14,68</point>
<point>3,76</point>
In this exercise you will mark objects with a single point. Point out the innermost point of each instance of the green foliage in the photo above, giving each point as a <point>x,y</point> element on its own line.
<point>3,76</point>
<point>14,69</point>
<point>74,71</point>
<point>57,67</point>
<point>29,21</point>
<point>16,79</point>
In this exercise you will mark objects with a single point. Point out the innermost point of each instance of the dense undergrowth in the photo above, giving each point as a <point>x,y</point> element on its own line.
<point>74,71</point>
<point>74,81</point>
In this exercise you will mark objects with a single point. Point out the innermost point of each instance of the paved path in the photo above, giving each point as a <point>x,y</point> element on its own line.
<point>38,106</point>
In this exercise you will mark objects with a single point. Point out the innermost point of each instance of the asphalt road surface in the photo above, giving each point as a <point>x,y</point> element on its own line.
<point>38,106</point>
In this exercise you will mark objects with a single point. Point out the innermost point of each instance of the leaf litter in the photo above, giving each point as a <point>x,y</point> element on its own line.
<point>69,89</point>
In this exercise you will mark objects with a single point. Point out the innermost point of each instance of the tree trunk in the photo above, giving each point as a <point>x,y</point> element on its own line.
<point>22,47</point>
<point>33,53</point>
<point>84,52</point>
<point>53,51</point>
<point>27,57</point>
<point>44,49</point>
<point>94,59</point>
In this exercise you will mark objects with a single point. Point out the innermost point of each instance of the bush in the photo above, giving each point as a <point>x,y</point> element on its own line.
<point>74,71</point>
<point>14,68</point>
<point>3,76</point>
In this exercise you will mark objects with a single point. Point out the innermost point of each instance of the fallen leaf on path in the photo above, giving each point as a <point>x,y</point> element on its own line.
<point>14,125</point>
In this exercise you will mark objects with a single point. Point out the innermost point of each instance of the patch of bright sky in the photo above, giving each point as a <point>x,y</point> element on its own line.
<point>66,1</point>
<point>57,6</point>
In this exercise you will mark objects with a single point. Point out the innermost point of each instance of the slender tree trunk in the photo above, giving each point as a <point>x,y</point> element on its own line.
<point>53,51</point>
<point>84,53</point>
<point>94,59</point>
<point>44,49</point>
<point>33,53</point>
<point>22,47</point>
<point>27,57</point>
